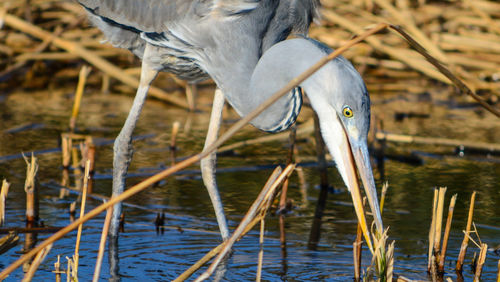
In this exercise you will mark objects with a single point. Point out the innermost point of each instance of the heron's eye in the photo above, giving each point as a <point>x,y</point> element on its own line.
<point>347,111</point>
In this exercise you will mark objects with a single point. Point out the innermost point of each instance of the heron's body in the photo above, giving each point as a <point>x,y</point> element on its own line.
<point>239,44</point>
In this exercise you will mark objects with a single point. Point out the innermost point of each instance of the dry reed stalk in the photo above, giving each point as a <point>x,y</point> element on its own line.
<point>261,251</point>
<point>446,233</point>
<point>82,212</point>
<point>3,197</point>
<point>66,145</point>
<point>258,208</point>
<point>498,271</point>
<point>82,79</point>
<point>432,231</point>
<point>399,138</point>
<point>439,220</point>
<point>173,138</point>
<point>102,244</point>
<point>186,274</point>
<point>36,263</point>
<point>196,158</point>
<point>57,268</point>
<point>465,242</point>
<point>480,262</point>
<point>385,187</point>
<point>30,188</point>
<point>191,94</point>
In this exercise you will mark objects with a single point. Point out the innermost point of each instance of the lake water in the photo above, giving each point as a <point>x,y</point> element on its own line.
<point>191,229</point>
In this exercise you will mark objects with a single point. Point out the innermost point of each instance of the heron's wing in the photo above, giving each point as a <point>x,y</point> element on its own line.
<point>301,13</point>
<point>158,15</point>
<point>291,16</point>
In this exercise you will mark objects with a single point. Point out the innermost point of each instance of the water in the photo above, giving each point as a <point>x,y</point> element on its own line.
<point>34,121</point>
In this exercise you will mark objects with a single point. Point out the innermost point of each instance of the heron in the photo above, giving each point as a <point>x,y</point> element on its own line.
<point>242,45</point>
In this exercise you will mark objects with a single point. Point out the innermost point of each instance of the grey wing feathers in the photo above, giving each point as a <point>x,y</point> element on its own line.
<point>302,13</point>
<point>157,15</point>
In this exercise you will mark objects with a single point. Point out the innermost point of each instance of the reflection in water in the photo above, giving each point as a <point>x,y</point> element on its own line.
<point>113,259</point>
<point>144,255</point>
<point>315,233</point>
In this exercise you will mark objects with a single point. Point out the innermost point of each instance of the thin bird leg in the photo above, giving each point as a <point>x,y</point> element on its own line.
<point>208,163</point>
<point>123,144</point>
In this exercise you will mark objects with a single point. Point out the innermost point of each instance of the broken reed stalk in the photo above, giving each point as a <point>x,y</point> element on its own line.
<point>465,242</point>
<point>439,220</point>
<point>261,204</point>
<point>82,79</point>
<point>36,263</point>
<point>15,22</point>
<point>261,251</point>
<point>432,232</point>
<point>30,188</point>
<point>66,145</point>
<point>102,244</point>
<point>446,233</point>
<point>480,262</point>
<point>3,197</point>
<point>385,187</point>
<point>57,268</point>
<point>82,212</point>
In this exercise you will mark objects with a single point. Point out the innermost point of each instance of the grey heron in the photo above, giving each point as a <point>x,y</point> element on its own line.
<point>241,45</point>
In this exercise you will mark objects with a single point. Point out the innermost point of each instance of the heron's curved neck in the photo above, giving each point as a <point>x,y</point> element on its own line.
<point>278,66</point>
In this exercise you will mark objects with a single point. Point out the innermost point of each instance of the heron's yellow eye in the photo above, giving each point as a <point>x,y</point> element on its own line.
<point>347,111</point>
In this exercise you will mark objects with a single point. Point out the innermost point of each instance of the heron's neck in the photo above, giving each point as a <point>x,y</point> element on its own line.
<point>278,66</point>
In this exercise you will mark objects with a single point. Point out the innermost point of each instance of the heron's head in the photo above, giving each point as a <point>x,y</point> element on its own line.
<point>339,97</point>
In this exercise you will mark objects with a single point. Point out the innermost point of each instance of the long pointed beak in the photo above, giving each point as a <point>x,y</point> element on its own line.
<point>352,157</point>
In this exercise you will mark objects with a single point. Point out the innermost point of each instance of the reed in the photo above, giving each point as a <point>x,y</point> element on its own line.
<point>57,269</point>
<point>432,232</point>
<point>465,242</point>
<point>446,233</point>
<point>261,251</point>
<point>82,79</point>
<point>76,256</point>
<point>4,191</point>
<point>30,188</point>
<point>480,262</point>
<point>102,244</point>
<point>498,271</point>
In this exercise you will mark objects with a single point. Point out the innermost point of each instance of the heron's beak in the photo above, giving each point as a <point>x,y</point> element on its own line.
<point>350,156</point>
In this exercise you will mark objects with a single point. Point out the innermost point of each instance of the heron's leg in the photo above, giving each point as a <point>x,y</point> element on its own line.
<point>123,144</point>
<point>208,163</point>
